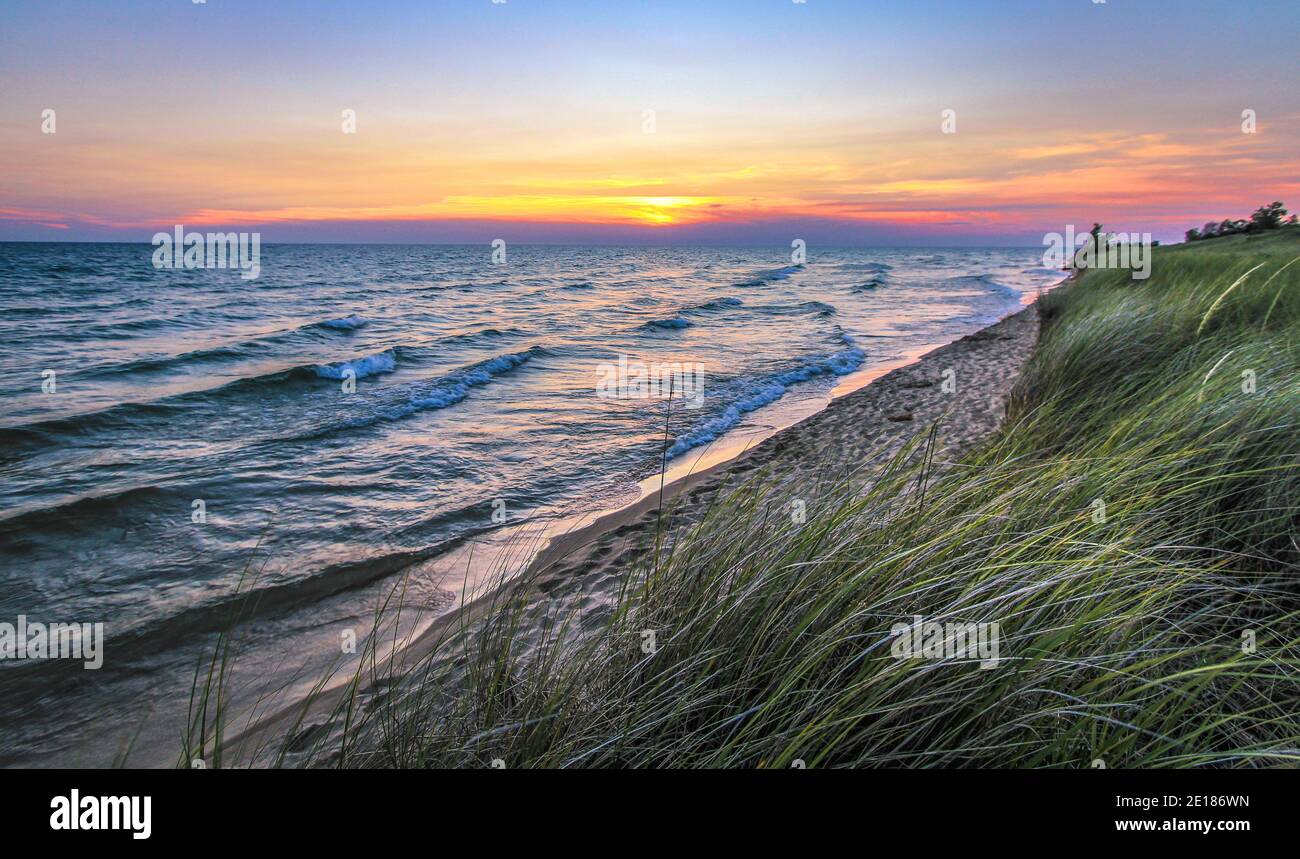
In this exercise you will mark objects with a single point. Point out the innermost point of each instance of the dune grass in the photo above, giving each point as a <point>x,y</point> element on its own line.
<point>1132,530</point>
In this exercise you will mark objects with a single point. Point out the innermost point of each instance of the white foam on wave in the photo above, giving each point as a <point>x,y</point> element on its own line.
<point>767,391</point>
<point>675,324</point>
<point>456,387</point>
<point>371,365</point>
<point>347,323</point>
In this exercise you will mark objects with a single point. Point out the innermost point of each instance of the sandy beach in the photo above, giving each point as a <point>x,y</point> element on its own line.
<point>959,389</point>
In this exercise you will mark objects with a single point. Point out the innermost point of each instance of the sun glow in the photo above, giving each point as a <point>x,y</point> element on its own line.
<point>736,144</point>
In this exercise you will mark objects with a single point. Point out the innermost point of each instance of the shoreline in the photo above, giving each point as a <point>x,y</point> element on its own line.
<point>577,563</point>
<point>867,425</point>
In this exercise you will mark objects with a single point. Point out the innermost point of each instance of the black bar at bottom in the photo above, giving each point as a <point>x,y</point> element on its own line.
<point>369,808</point>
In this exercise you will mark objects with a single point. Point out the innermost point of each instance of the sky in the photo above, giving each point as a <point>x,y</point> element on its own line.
<point>618,121</point>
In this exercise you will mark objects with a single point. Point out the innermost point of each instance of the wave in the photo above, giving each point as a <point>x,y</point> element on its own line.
<point>973,278</point>
<point>871,269</point>
<point>718,304</point>
<point>371,365</point>
<point>383,362</point>
<point>869,285</point>
<point>368,365</point>
<point>455,388</point>
<point>430,396</point>
<point>679,322</point>
<point>224,612</point>
<point>124,414</point>
<point>985,280</point>
<point>347,323</point>
<point>676,323</point>
<point>20,525</point>
<point>127,329</point>
<point>444,287</point>
<point>226,352</point>
<point>439,394</point>
<point>819,308</point>
<point>481,334</point>
<point>765,391</point>
<point>158,364</point>
<point>44,431</point>
<point>762,278</point>
<point>483,372</point>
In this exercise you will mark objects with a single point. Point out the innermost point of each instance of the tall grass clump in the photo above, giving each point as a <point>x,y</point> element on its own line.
<point>1132,530</point>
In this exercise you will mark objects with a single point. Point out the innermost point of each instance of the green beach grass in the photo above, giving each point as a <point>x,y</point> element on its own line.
<point>1132,530</point>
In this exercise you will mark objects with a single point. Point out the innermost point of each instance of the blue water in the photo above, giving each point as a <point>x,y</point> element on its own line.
<point>473,382</point>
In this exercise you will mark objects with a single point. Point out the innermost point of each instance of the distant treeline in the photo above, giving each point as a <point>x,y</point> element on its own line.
<point>1268,217</point>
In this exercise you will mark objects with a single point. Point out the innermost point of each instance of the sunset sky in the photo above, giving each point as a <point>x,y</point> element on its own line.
<point>525,119</point>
